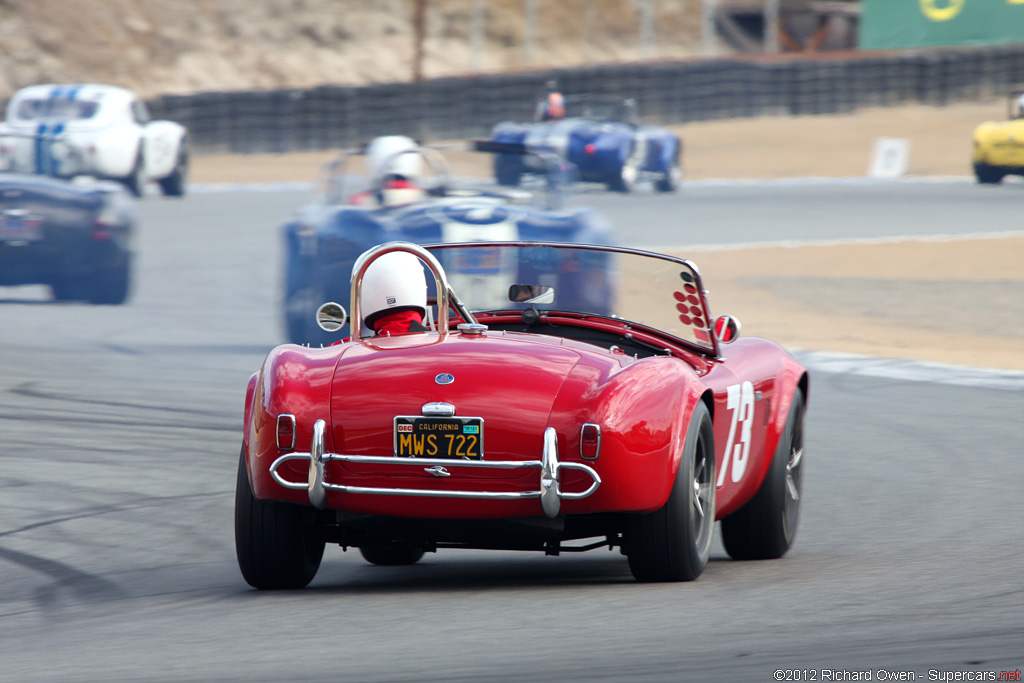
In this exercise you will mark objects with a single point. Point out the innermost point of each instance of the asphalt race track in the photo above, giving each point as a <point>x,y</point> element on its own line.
<point>119,437</point>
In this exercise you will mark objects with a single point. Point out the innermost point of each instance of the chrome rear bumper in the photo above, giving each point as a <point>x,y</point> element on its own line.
<point>549,492</point>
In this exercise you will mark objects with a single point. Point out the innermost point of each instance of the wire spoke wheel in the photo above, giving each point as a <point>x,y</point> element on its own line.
<point>703,500</point>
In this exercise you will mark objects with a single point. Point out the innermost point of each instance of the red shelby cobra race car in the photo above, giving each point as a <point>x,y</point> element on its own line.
<point>564,397</point>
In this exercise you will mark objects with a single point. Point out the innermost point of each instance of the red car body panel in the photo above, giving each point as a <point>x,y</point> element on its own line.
<point>519,384</point>
<point>293,380</point>
<point>774,377</point>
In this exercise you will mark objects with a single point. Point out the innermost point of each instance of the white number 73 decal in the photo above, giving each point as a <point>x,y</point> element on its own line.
<point>740,401</point>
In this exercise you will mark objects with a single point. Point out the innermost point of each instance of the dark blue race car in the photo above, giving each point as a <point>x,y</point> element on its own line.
<point>73,236</point>
<point>601,139</point>
<point>323,241</point>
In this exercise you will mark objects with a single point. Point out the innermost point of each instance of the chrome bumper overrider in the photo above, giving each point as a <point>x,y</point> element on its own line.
<point>550,492</point>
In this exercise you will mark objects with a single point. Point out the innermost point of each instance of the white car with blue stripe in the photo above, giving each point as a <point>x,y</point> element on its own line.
<point>95,130</point>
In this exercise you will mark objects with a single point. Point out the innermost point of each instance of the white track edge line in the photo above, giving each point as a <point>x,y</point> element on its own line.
<point>910,370</point>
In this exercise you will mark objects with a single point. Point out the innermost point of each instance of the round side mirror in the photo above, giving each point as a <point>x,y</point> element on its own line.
<point>727,328</point>
<point>331,316</point>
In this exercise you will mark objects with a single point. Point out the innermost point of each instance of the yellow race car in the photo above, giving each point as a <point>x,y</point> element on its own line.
<point>999,145</point>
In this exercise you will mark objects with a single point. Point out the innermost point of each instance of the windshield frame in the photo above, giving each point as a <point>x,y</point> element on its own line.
<point>710,348</point>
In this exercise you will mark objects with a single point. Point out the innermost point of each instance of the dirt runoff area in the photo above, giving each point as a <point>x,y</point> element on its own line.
<point>974,315</point>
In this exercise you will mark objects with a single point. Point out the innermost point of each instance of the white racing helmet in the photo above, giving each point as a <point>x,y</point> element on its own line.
<point>393,282</point>
<point>395,164</point>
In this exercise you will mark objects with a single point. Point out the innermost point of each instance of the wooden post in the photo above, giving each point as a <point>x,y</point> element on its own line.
<point>707,28</point>
<point>646,28</point>
<point>771,26</point>
<point>419,25</point>
<point>530,10</point>
<point>476,35</point>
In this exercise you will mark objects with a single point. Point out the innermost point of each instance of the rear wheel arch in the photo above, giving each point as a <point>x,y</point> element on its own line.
<point>804,385</point>
<point>249,409</point>
<point>176,182</point>
<point>673,543</point>
<point>279,391</point>
<point>135,181</point>
<point>707,398</point>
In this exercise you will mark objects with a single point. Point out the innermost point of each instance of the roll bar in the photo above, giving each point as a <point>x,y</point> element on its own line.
<point>446,298</point>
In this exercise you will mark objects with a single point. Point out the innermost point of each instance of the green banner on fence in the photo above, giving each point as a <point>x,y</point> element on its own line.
<point>887,24</point>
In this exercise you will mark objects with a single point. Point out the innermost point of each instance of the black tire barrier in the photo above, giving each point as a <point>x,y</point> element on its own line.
<point>668,92</point>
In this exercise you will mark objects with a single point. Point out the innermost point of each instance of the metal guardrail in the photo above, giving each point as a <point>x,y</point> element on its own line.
<point>333,117</point>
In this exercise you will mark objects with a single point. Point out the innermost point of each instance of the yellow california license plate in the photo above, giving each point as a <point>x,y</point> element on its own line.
<point>439,437</point>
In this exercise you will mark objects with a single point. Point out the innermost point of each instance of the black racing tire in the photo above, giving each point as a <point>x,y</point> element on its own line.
<point>174,185</point>
<point>135,181</point>
<point>69,289</point>
<point>391,555</point>
<point>988,175</point>
<point>504,173</point>
<point>628,175</point>
<point>278,545</point>
<point>625,183</point>
<point>110,286</point>
<point>672,179</point>
<point>673,543</point>
<point>765,528</point>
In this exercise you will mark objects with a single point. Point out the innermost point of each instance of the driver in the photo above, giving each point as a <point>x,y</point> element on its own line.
<point>393,297</point>
<point>551,106</point>
<point>394,165</point>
